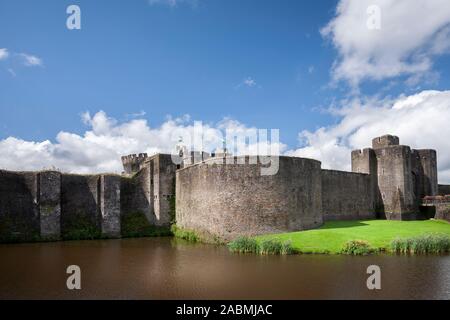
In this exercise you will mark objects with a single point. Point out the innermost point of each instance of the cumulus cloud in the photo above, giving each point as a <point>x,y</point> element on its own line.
<point>99,149</point>
<point>404,45</point>
<point>4,53</point>
<point>420,120</point>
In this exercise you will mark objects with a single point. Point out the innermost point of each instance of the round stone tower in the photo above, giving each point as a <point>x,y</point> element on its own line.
<point>223,201</point>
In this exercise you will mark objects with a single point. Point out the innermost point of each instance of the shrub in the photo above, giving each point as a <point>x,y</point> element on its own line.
<point>80,226</point>
<point>87,232</point>
<point>244,245</point>
<point>423,244</point>
<point>357,248</point>
<point>135,224</point>
<point>187,235</point>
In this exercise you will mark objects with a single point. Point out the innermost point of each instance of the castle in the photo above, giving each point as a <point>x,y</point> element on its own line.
<point>220,196</point>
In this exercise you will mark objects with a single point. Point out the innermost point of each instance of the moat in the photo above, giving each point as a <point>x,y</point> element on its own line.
<point>165,268</point>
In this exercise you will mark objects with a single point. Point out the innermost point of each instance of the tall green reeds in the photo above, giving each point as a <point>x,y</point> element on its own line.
<point>423,244</point>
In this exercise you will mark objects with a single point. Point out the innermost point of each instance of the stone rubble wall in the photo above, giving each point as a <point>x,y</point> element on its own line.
<point>49,205</point>
<point>346,196</point>
<point>222,201</point>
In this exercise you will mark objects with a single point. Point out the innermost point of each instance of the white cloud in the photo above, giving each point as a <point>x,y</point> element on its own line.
<point>4,53</point>
<point>99,149</point>
<point>412,33</point>
<point>420,120</point>
<point>30,60</point>
<point>248,82</point>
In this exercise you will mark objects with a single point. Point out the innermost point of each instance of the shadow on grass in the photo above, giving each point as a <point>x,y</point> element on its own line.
<point>342,224</point>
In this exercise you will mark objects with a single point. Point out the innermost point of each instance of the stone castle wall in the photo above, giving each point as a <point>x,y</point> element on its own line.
<point>49,205</point>
<point>163,173</point>
<point>79,204</point>
<point>228,200</point>
<point>424,168</point>
<point>137,196</point>
<point>19,210</point>
<point>346,196</point>
<point>218,195</point>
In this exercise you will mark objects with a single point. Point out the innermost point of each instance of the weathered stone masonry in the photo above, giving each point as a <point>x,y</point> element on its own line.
<point>49,205</point>
<point>400,177</point>
<point>220,196</point>
<point>228,200</point>
<point>222,200</point>
<point>346,196</point>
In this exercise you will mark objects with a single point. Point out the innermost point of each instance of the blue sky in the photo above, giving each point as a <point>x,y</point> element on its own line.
<point>191,59</point>
<point>263,63</point>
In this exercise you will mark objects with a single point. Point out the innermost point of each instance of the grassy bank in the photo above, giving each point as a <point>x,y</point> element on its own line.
<point>332,237</point>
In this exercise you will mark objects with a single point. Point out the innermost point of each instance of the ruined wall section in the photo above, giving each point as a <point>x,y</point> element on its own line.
<point>19,211</point>
<point>229,200</point>
<point>164,188</point>
<point>365,161</point>
<point>49,189</point>
<point>137,194</point>
<point>80,214</point>
<point>150,192</point>
<point>110,206</point>
<point>395,182</point>
<point>133,163</point>
<point>347,196</point>
<point>49,205</point>
<point>425,173</point>
<point>90,206</point>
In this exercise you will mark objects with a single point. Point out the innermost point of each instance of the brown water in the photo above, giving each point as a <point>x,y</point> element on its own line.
<point>163,268</point>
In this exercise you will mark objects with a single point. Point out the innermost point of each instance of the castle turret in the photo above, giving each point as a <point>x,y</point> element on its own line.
<point>133,162</point>
<point>395,182</point>
<point>385,141</point>
<point>398,175</point>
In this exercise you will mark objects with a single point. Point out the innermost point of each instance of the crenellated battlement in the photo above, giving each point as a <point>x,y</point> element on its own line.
<point>132,163</point>
<point>385,141</point>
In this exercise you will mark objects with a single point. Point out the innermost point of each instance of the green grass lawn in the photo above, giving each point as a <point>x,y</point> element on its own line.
<point>332,236</point>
